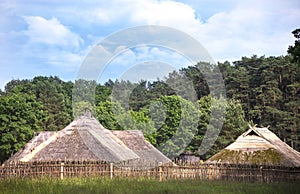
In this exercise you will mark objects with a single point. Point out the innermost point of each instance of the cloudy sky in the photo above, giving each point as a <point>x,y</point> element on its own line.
<point>53,37</point>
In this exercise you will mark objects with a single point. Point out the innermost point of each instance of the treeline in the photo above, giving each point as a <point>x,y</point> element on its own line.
<point>259,90</point>
<point>269,90</point>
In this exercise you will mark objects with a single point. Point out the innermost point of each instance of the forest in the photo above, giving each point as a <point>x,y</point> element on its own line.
<point>259,90</point>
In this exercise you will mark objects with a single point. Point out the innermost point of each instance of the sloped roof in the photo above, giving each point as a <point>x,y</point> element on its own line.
<point>258,146</point>
<point>135,140</point>
<point>86,139</point>
<point>35,142</point>
<point>83,139</point>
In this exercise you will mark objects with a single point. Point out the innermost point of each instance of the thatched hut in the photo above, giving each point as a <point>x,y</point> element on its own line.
<point>258,146</point>
<point>148,154</point>
<point>85,139</point>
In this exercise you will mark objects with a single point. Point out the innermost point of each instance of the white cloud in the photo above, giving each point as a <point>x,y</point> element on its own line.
<point>54,32</point>
<point>143,62</point>
<point>164,13</point>
<point>51,32</point>
<point>250,28</point>
<point>65,59</point>
<point>145,53</point>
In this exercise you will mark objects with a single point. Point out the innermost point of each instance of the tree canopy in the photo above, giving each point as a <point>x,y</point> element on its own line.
<point>261,90</point>
<point>294,51</point>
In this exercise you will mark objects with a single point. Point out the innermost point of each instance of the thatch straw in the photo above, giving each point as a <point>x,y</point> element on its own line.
<point>258,146</point>
<point>86,139</point>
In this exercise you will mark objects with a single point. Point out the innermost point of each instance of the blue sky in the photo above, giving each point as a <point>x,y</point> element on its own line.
<point>53,37</point>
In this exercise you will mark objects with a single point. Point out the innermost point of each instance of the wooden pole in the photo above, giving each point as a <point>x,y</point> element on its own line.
<point>111,165</point>
<point>160,171</point>
<point>210,172</point>
<point>62,170</point>
<point>261,174</point>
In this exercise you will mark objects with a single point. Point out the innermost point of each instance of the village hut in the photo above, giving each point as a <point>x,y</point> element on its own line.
<point>148,155</point>
<point>258,146</point>
<point>85,139</point>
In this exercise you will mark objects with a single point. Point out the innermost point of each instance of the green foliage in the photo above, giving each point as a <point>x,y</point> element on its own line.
<point>106,116</point>
<point>294,51</point>
<point>209,136</point>
<point>79,108</point>
<point>55,103</point>
<point>167,126</point>
<point>19,120</point>
<point>195,74</point>
<point>102,93</point>
<point>53,93</point>
<point>141,121</point>
<point>268,89</point>
<point>83,96</point>
<point>112,116</point>
<point>177,127</point>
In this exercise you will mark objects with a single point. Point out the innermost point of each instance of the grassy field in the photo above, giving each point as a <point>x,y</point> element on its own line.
<point>105,185</point>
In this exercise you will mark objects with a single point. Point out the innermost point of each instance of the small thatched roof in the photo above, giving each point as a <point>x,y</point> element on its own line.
<point>258,146</point>
<point>86,139</point>
<point>135,140</point>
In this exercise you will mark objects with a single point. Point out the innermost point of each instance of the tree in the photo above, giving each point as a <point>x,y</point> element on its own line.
<point>139,96</point>
<point>102,93</point>
<point>175,120</point>
<point>294,51</point>
<point>53,93</point>
<point>83,93</point>
<point>233,125</point>
<point>106,116</point>
<point>20,117</point>
<point>268,89</point>
<point>195,74</point>
<point>159,89</point>
<point>112,116</point>
<point>18,86</point>
<point>50,93</point>
<point>121,93</point>
<point>140,120</point>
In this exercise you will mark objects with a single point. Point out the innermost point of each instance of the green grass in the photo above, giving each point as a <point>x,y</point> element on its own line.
<point>121,185</point>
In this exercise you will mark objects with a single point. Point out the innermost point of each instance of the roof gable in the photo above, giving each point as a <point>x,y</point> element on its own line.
<point>256,141</point>
<point>251,131</point>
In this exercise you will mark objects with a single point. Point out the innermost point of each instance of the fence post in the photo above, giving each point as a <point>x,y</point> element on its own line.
<point>160,171</point>
<point>210,172</point>
<point>261,174</point>
<point>62,170</point>
<point>111,169</point>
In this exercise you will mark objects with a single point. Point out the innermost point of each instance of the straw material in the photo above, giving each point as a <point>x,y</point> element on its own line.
<point>85,139</point>
<point>148,154</point>
<point>258,146</point>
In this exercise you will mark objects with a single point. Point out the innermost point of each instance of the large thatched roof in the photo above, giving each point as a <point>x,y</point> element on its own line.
<point>86,139</point>
<point>258,146</point>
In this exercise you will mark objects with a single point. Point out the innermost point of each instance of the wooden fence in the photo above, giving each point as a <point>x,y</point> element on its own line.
<point>160,172</point>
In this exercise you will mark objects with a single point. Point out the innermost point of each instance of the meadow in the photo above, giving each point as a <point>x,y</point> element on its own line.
<point>122,185</point>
